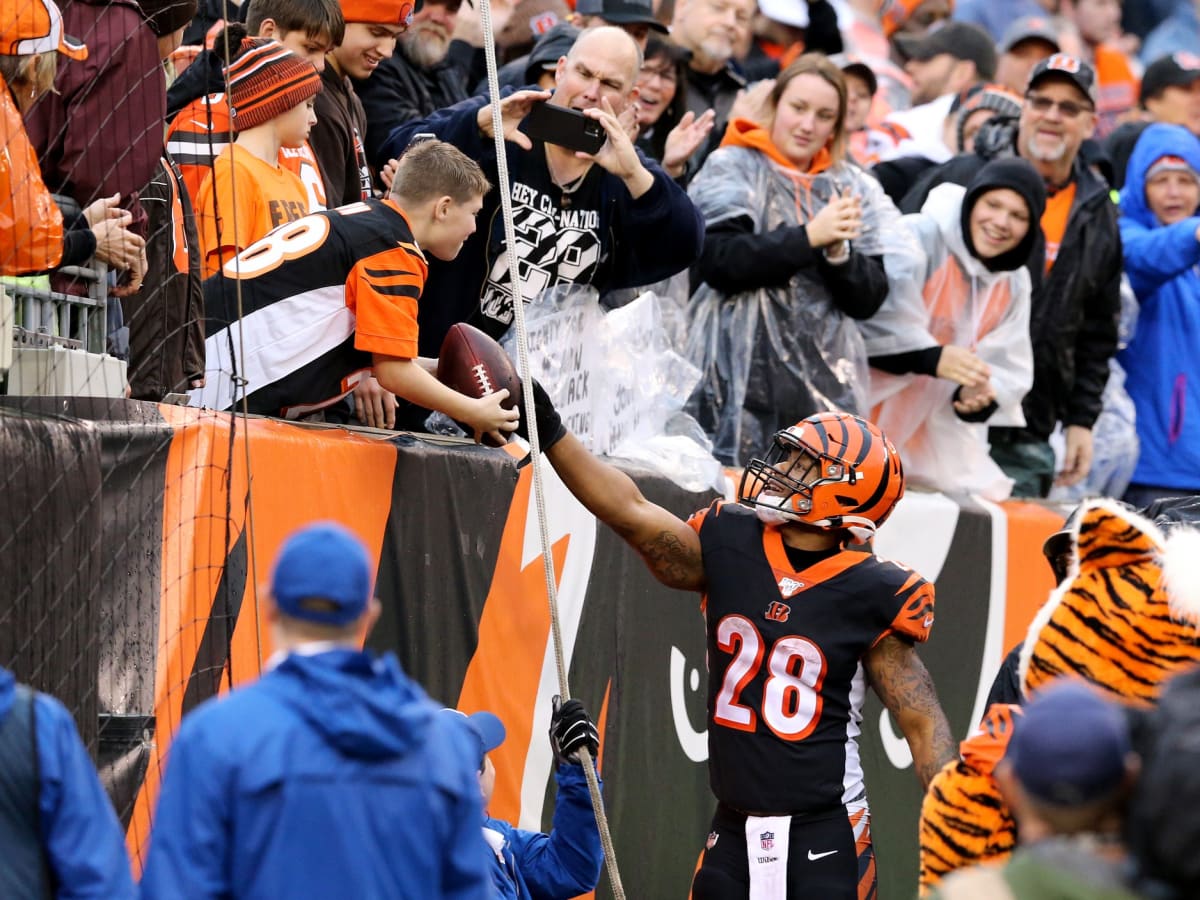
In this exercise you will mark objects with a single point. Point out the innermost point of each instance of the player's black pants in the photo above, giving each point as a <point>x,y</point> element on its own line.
<point>813,871</point>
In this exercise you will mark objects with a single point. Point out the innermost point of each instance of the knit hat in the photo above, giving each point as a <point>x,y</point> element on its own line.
<point>995,97</point>
<point>323,574</point>
<point>35,26</point>
<point>266,81</point>
<point>1170,163</point>
<point>378,12</point>
<point>168,16</point>
<point>1018,175</point>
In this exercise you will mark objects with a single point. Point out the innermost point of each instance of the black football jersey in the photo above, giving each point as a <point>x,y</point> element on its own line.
<point>294,343</point>
<point>786,681</point>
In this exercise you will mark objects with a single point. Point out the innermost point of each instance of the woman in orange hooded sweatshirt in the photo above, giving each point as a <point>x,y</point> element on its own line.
<point>793,255</point>
<point>32,237</point>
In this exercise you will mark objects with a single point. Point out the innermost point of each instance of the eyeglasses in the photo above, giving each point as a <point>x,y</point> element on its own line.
<point>666,73</point>
<point>1068,108</point>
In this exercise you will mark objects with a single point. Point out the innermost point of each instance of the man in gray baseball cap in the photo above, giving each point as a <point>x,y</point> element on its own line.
<point>1026,42</point>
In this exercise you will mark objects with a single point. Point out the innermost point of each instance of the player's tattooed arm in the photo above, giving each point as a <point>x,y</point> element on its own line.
<point>906,689</point>
<point>674,558</point>
<point>668,545</point>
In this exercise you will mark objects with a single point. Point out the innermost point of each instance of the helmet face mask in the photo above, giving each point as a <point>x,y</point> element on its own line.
<point>830,471</point>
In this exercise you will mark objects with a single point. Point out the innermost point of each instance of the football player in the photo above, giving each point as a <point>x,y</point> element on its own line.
<point>800,619</point>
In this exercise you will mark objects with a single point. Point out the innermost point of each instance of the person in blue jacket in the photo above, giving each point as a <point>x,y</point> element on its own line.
<point>566,862</point>
<point>333,775</point>
<point>59,836</point>
<point>612,219</point>
<point>1160,234</point>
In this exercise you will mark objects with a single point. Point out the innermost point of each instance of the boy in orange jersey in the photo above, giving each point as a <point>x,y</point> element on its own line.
<point>248,193</point>
<point>198,107</point>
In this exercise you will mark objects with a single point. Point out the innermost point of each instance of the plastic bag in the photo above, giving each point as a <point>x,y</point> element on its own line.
<point>617,382</point>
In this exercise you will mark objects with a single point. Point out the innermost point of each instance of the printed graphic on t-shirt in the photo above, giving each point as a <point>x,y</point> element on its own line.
<point>554,246</point>
<point>364,171</point>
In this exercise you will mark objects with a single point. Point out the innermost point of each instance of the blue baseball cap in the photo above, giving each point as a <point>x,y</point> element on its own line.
<point>1070,747</point>
<point>322,574</point>
<point>486,726</point>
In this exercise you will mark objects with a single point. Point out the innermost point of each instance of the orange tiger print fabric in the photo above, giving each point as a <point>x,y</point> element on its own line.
<point>1122,620</point>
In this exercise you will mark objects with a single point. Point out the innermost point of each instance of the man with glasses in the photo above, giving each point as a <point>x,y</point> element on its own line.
<point>1075,267</point>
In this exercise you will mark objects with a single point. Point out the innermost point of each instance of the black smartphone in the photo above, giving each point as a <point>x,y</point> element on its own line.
<point>565,127</point>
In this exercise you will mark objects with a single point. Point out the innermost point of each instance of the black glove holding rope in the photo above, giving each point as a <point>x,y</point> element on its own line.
<point>549,422</point>
<point>571,729</point>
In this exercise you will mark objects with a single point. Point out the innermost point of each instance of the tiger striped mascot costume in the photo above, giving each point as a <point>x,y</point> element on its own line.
<point>1126,618</point>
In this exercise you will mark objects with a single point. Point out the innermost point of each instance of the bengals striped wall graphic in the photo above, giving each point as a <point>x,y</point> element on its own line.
<point>170,565</point>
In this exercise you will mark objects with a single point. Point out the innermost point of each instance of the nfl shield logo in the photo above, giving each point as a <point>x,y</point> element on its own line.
<point>767,840</point>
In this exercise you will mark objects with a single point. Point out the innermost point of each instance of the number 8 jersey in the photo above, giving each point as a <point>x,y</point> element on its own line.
<point>294,318</point>
<point>786,681</point>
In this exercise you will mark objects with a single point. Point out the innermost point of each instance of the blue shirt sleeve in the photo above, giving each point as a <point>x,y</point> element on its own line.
<point>84,843</point>
<point>567,861</point>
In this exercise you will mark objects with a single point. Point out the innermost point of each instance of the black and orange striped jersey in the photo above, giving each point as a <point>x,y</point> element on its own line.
<point>785,649</point>
<point>297,314</point>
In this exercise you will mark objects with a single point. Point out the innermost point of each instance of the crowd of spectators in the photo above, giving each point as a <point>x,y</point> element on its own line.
<point>758,162</point>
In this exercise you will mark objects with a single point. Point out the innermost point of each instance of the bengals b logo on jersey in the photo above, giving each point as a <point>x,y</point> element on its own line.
<point>778,612</point>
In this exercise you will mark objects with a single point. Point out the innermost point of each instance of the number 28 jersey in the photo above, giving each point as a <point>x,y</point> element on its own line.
<point>786,681</point>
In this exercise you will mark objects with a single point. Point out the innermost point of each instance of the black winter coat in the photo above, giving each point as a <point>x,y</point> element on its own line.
<point>1075,307</point>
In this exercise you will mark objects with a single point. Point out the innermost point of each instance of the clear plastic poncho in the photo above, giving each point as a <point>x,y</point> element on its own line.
<point>775,355</point>
<point>950,298</point>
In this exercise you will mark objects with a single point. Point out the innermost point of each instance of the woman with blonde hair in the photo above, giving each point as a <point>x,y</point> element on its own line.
<point>793,255</point>
<point>32,235</point>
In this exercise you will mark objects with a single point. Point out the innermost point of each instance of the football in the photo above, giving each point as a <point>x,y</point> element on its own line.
<point>474,364</point>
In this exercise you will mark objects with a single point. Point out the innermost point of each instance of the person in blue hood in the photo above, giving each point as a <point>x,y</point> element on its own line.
<point>1160,232</point>
<point>333,775</point>
<point>566,862</point>
<point>59,834</point>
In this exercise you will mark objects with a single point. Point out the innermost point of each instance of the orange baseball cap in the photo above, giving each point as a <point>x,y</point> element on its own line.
<point>35,26</point>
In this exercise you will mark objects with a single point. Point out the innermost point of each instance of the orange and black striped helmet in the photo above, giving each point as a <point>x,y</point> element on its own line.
<point>845,475</point>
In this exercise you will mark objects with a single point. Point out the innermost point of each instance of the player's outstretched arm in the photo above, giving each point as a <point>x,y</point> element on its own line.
<point>906,689</point>
<point>669,547</point>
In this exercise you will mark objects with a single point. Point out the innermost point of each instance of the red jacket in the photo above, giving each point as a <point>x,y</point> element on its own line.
<point>102,133</point>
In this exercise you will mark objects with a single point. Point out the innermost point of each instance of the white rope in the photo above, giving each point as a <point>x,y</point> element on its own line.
<point>535,449</point>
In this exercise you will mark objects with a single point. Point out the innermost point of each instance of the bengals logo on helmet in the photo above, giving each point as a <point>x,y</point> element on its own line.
<point>830,471</point>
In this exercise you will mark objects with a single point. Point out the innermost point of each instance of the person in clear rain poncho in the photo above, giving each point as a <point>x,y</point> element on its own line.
<point>950,348</point>
<point>793,254</point>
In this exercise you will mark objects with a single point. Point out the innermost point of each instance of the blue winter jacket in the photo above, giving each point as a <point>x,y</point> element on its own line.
<point>331,776</point>
<point>82,838</point>
<point>530,865</point>
<point>1161,362</point>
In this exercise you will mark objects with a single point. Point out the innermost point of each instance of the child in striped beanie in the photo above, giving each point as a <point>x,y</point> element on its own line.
<point>247,193</point>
